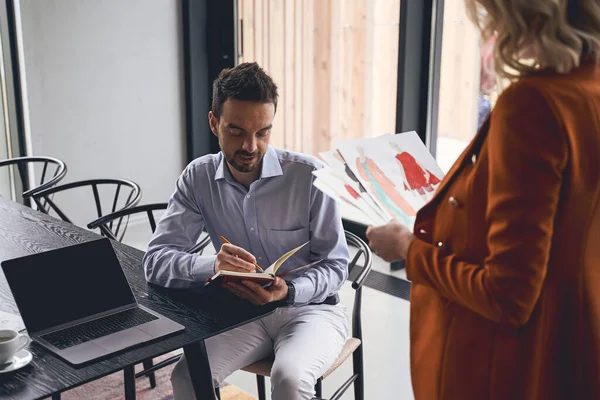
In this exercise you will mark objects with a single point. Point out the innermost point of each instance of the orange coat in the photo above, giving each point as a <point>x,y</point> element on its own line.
<point>505,301</point>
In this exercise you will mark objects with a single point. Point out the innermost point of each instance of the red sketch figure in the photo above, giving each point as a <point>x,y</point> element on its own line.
<point>352,192</point>
<point>416,178</point>
<point>383,188</point>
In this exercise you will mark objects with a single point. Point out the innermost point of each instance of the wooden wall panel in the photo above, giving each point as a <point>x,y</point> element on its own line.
<point>289,73</point>
<point>259,25</point>
<point>459,79</point>
<point>308,96</point>
<point>296,130</point>
<point>381,105</point>
<point>322,76</point>
<point>334,61</point>
<point>246,13</point>
<point>276,67</point>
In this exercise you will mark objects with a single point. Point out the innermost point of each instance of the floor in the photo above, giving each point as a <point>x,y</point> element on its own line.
<point>385,334</point>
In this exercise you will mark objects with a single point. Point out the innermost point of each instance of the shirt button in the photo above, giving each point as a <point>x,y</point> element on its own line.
<point>247,196</point>
<point>453,202</point>
<point>252,228</point>
<point>473,158</point>
<point>422,231</point>
<point>440,244</point>
<point>259,257</point>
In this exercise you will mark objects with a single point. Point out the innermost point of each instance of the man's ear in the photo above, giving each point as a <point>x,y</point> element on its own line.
<point>213,121</point>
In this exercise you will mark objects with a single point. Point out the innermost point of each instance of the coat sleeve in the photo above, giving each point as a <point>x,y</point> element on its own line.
<point>527,157</point>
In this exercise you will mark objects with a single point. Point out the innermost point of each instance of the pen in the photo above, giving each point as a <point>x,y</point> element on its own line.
<point>228,242</point>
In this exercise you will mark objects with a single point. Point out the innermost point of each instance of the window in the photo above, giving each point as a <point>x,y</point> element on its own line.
<point>335,62</point>
<point>465,90</point>
<point>6,187</point>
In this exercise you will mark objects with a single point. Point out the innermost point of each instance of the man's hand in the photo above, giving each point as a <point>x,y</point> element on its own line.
<point>391,241</point>
<point>258,295</point>
<point>233,258</point>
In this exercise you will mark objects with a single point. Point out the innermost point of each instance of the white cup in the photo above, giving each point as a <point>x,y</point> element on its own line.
<point>10,343</point>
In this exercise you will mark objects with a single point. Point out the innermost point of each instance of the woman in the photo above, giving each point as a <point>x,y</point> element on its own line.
<point>505,259</point>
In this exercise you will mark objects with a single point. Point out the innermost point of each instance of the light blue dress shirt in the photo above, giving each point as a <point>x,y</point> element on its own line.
<point>280,210</point>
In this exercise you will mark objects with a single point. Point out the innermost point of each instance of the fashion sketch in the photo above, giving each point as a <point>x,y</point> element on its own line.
<point>383,188</point>
<point>416,178</point>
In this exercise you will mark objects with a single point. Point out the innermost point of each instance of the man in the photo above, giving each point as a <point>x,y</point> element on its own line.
<point>263,201</point>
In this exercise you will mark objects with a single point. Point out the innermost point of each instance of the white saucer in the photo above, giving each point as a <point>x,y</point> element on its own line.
<point>21,359</point>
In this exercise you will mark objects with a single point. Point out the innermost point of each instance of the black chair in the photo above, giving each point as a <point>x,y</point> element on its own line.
<point>48,179</point>
<point>353,346</point>
<point>46,204</point>
<point>111,226</point>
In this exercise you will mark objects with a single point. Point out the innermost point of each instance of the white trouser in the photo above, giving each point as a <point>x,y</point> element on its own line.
<point>306,341</point>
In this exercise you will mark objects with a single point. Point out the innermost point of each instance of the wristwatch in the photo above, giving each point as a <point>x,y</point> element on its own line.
<point>291,295</point>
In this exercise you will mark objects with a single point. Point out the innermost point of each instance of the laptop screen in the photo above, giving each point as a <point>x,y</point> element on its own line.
<point>66,284</point>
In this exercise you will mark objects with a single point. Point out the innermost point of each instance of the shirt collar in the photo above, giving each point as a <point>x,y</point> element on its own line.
<point>271,166</point>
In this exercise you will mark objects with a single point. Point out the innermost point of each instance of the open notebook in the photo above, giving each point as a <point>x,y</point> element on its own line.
<point>262,278</point>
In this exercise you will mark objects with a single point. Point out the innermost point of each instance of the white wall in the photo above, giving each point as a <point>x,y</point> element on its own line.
<point>104,81</point>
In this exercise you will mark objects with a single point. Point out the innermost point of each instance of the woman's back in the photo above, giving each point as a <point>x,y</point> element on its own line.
<point>574,266</point>
<point>516,310</point>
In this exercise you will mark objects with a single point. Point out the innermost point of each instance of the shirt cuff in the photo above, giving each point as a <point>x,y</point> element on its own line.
<point>305,290</point>
<point>203,268</point>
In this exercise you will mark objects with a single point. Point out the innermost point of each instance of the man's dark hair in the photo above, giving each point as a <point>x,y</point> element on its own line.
<point>248,82</point>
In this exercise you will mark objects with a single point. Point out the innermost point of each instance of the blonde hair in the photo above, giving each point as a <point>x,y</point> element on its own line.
<point>534,34</point>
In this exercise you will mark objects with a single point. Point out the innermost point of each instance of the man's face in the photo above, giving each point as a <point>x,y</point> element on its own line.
<point>244,130</point>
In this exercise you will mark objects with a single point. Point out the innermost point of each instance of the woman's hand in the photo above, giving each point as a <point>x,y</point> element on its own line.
<point>390,241</point>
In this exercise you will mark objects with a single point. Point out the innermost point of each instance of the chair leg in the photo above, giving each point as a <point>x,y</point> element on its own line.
<point>129,377</point>
<point>260,384</point>
<point>152,376</point>
<point>319,388</point>
<point>359,383</point>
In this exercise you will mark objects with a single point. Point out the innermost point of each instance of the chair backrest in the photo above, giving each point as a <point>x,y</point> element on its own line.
<point>112,227</point>
<point>48,171</point>
<point>123,188</point>
<point>365,252</point>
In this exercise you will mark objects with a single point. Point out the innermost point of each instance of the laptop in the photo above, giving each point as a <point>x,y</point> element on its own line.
<point>76,302</point>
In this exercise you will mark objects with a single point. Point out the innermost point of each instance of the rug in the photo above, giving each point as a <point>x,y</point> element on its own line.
<point>111,387</point>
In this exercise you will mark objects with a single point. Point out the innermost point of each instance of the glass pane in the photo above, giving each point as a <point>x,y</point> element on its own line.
<point>5,181</point>
<point>335,63</point>
<point>467,91</point>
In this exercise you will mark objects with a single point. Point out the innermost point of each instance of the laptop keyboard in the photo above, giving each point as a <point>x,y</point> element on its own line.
<point>98,328</point>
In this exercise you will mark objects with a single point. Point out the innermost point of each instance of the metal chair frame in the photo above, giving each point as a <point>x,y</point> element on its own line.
<point>24,163</point>
<point>133,198</point>
<point>106,225</point>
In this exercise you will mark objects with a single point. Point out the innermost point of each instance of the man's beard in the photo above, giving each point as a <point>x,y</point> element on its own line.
<point>244,167</point>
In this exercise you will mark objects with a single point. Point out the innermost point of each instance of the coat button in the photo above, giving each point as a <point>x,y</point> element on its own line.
<point>440,244</point>
<point>453,202</point>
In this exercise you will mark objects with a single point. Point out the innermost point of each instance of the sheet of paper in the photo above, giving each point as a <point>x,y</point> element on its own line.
<point>335,160</point>
<point>275,266</point>
<point>397,170</point>
<point>348,191</point>
<point>298,269</point>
